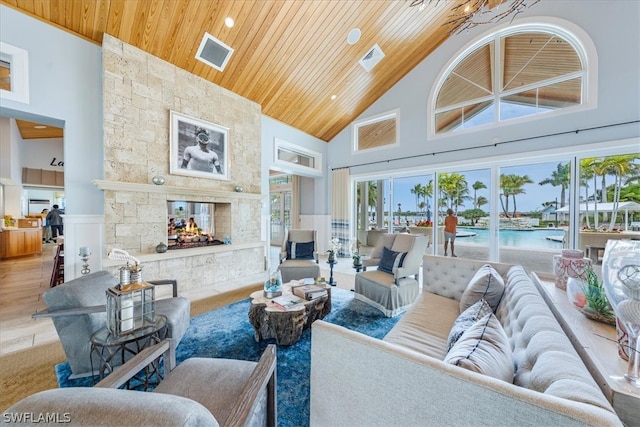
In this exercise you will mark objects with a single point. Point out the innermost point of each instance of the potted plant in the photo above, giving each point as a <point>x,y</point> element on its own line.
<point>334,247</point>
<point>355,253</point>
<point>588,295</point>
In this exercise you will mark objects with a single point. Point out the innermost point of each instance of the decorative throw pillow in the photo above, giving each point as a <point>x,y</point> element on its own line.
<point>299,250</point>
<point>484,348</point>
<point>466,319</point>
<point>391,260</point>
<point>486,283</point>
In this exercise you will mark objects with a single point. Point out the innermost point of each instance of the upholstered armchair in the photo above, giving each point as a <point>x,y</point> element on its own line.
<point>394,285</point>
<point>78,310</point>
<point>198,392</point>
<point>299,255</point>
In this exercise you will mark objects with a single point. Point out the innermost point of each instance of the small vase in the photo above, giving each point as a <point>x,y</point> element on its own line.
<point>273,285</point>
<point>161,248</point>
<point>568,265</point>
<point>332,257</point>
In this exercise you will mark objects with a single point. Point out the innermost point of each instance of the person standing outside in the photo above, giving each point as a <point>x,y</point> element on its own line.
<point>450,225</point>
<point>55,221</point>
<point>200,157</point>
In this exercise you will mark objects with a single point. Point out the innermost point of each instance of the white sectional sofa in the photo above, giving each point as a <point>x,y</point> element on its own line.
<point>403,380</point>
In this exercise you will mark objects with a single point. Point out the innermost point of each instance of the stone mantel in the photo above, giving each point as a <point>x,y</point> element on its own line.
<point>179,192</point>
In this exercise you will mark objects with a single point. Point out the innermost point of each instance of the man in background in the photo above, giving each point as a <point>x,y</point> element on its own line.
<point>54,217</point>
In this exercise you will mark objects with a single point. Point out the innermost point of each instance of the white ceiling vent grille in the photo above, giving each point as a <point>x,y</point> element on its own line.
<point>213,52</point>
<point>371,58</point>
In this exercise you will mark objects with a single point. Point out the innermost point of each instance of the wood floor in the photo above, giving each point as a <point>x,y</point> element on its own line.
<point>24,280</point>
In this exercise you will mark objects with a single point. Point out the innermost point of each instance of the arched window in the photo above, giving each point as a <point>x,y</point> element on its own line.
<point>519,71</point>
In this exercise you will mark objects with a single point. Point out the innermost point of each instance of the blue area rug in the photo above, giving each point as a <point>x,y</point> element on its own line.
<point>227,333</point>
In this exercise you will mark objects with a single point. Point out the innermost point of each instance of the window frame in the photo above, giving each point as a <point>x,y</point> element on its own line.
<point>294,168</point>
<point>571,33</point>
<point>356,125</point>
<point>18,60</point>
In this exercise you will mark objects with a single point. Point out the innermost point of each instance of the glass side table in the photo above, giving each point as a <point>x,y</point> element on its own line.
<point>112,351</point>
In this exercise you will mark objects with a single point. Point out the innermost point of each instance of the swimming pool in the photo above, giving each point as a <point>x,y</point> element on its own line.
<point>523,239</point>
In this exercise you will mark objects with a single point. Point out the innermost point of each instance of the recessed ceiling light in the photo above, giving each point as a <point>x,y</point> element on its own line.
<point>40,127</point>
<point>333,97</point>
<point>228,21</point>
<point>354,36</point>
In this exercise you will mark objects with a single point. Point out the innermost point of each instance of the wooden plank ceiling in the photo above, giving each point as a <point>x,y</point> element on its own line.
<point>290,56</point>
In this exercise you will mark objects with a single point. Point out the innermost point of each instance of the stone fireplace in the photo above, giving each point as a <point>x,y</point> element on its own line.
<point>140,90</point>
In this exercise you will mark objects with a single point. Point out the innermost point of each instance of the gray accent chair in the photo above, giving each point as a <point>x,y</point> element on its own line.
<point>199,392</point>
<point>295,269</point>
<point>78,310</point>
<point>392,293</point>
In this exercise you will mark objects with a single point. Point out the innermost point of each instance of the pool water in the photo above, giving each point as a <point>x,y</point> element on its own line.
<point>523,239</point>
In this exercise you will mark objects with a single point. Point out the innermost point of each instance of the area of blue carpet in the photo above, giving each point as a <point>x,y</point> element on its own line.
<point>227,333</point>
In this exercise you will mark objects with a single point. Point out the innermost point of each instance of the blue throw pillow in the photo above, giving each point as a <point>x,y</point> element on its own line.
<point>299,250</point>
<point>391,260</point>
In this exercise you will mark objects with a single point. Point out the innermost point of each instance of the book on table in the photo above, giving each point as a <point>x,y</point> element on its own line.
<point>288,302</point>
<point>309,292</point>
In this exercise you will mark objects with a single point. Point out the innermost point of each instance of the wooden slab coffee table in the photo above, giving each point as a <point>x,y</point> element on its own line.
<point>270,321</point>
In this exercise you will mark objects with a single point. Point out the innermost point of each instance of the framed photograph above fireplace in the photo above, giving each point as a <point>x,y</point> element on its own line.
<point>198,148</point>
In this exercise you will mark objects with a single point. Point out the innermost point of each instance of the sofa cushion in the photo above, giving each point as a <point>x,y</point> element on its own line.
<point>299,250</point>
<point>486,283</point>
<point>391,260</point>
<point>425,326</point>
<point>484,348</point>
<point>466,319</point>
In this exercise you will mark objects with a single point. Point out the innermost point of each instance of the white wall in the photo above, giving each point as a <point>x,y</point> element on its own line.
<point>315,193</point>
<point>40,153</point>
<point>613,28</point>
<point>65,89</point>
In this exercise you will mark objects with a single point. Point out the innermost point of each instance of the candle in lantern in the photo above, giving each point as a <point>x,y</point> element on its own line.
<point>84,251</point>
<point>126,315</point>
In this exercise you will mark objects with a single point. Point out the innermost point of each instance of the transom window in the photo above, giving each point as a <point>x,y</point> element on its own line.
<point>508,75</point>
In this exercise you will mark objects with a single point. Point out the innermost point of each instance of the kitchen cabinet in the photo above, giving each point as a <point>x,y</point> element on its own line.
<point>16,242</point>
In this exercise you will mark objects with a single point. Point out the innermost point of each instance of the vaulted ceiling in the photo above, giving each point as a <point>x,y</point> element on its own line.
<point>290,56</point>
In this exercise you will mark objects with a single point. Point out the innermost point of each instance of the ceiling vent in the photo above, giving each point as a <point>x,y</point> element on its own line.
<point>213,52</point>
<point>371,58</point>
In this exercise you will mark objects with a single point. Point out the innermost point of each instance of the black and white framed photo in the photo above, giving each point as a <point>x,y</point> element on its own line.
<point>198,148</point>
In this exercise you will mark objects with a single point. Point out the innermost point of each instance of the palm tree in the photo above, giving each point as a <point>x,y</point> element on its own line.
<point>561,177</point>
<point>453,188</point>
<point>622,166</point>
<point>417,190</point>
<point>518,183</point>
<point>481,201</point>
<point>372,198</point>
<point>506,183</point>
<point>426,192</point>
<point>586,173</point>
<point>478,185</point>
<point>511,185</point>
